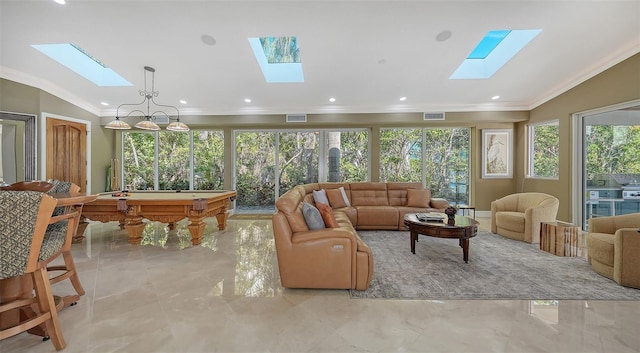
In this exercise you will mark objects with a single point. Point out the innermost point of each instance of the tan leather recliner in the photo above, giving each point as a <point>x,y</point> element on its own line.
<point>518,216</point>
<point>323,258</point>
<point>613,248</point>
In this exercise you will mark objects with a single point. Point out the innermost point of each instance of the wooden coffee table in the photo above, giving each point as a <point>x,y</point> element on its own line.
<point>464,229</point>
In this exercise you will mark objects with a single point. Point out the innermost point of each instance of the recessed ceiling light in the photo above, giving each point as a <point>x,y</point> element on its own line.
<point>61,2</point>
<point>247,100</point>
<point>104,103</point>
<point>182,101</point>
<point>495,97</point>
<point>332,99</point>
<point>444,35</point>
<point>208,40</point>
<point>402,99</point>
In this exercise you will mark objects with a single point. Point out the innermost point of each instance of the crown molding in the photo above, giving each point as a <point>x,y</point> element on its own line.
<point>47,86</point>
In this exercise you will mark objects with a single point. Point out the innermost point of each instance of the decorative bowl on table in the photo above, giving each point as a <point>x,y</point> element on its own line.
<point>451,214</point>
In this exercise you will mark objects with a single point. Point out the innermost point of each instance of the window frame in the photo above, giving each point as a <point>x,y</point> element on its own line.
<point>531,150</point>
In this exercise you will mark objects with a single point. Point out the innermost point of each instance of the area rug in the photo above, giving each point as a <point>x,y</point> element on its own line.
<point>498,268</point>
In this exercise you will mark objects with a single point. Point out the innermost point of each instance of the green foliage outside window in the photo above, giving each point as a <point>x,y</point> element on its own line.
<point>400,155</point>
<point>298,159</point>
<point>173,160</point>
<point>354,156</point>
<point>208,160</point>
<point>446,154</point>
<point>255,169</point>
<point>139,160</point>
<point>612,149</point>
<point>545,151</point>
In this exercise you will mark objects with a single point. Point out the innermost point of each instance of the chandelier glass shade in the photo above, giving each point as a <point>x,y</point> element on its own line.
<point>147,122</point>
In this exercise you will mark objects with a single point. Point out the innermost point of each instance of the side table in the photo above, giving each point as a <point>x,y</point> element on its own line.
<point>560,238</point>
<point>467,208</point>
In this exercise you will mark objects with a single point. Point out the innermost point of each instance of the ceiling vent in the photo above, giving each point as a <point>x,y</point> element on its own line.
<point>433,116</point>
<point>161,120</point>
<point>296,118</point>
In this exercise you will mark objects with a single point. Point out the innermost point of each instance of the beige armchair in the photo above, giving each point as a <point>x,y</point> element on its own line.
<point>518,216</point>
<point>613,248</point>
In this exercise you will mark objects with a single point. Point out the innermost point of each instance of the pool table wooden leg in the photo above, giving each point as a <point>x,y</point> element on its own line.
<point>196,228</point>
<point>222,219</point>
<point>134,227</point>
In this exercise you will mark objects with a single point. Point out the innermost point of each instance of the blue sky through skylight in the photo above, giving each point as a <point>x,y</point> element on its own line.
<point>78,61</point>
<point>487,44</point>
<point>273,68</point>
<point>493,51</point>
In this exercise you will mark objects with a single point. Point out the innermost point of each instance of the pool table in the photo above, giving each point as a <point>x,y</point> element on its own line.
<point>166,206</point>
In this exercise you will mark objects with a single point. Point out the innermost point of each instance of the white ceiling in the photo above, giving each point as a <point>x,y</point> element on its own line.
<point>366,54</point>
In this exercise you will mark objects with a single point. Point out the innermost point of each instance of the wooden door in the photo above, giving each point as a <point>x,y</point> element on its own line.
<point>67,151</point>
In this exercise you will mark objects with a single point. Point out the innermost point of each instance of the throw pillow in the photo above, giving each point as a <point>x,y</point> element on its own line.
<point>338,198</point>
<point>312,216</point>
<point>418,197</point>
<point>344,196</point>
<point>327,215</point>
<point>320,196</point>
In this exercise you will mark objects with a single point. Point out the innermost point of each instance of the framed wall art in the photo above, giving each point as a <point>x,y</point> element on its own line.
<point>497,153</point>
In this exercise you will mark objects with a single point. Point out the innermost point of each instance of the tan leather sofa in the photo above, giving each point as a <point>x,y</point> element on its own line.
<point>613,248</point>
<point>337,257</point>
<point>518,216</point>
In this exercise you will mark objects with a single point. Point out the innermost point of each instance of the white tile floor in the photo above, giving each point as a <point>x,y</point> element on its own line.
<point>225,296</point>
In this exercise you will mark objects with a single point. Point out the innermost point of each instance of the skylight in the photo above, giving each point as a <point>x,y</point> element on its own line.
<point>78,61</point>
<point>493,51</point>
<point>279,58</point>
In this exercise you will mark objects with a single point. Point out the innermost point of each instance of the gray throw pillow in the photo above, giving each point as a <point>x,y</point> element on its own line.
<point>320,196</point>
<point>312,216</point>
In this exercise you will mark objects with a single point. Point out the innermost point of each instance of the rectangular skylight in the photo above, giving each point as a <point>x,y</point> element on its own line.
<point>487,44</point>
<point>279,58</point>
<point>78,61</point>
<point>493,51</point>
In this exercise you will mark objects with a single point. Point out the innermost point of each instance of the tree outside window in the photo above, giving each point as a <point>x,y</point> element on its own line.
<point>544,150</point>
<point>445,156</point>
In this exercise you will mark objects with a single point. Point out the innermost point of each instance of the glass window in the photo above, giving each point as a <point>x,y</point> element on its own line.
<point>544,150</point>
<point>401,155</point>
<point>139,152</point>
<point>298,159</point>
<point>173,160</point>
<point>255,170</point>
<point>347,156</point>
<point>208,160</point>
<point>612,164</point>
<point>446,157</point>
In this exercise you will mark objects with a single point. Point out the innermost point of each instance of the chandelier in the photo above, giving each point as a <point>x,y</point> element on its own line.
<point>147,122</point>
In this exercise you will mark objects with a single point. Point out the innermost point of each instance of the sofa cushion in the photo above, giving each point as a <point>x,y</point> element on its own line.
<point>512,221</point>
<point>337,198</point>
<point>369,194</point>
<point>601,247</point>
<point>385,217</point>
<point>312,216</point>
<point>320,196</point>
<point>327,215</point>
<point>290,205</point>
<point>418,197</point>
<point>397,192</point>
